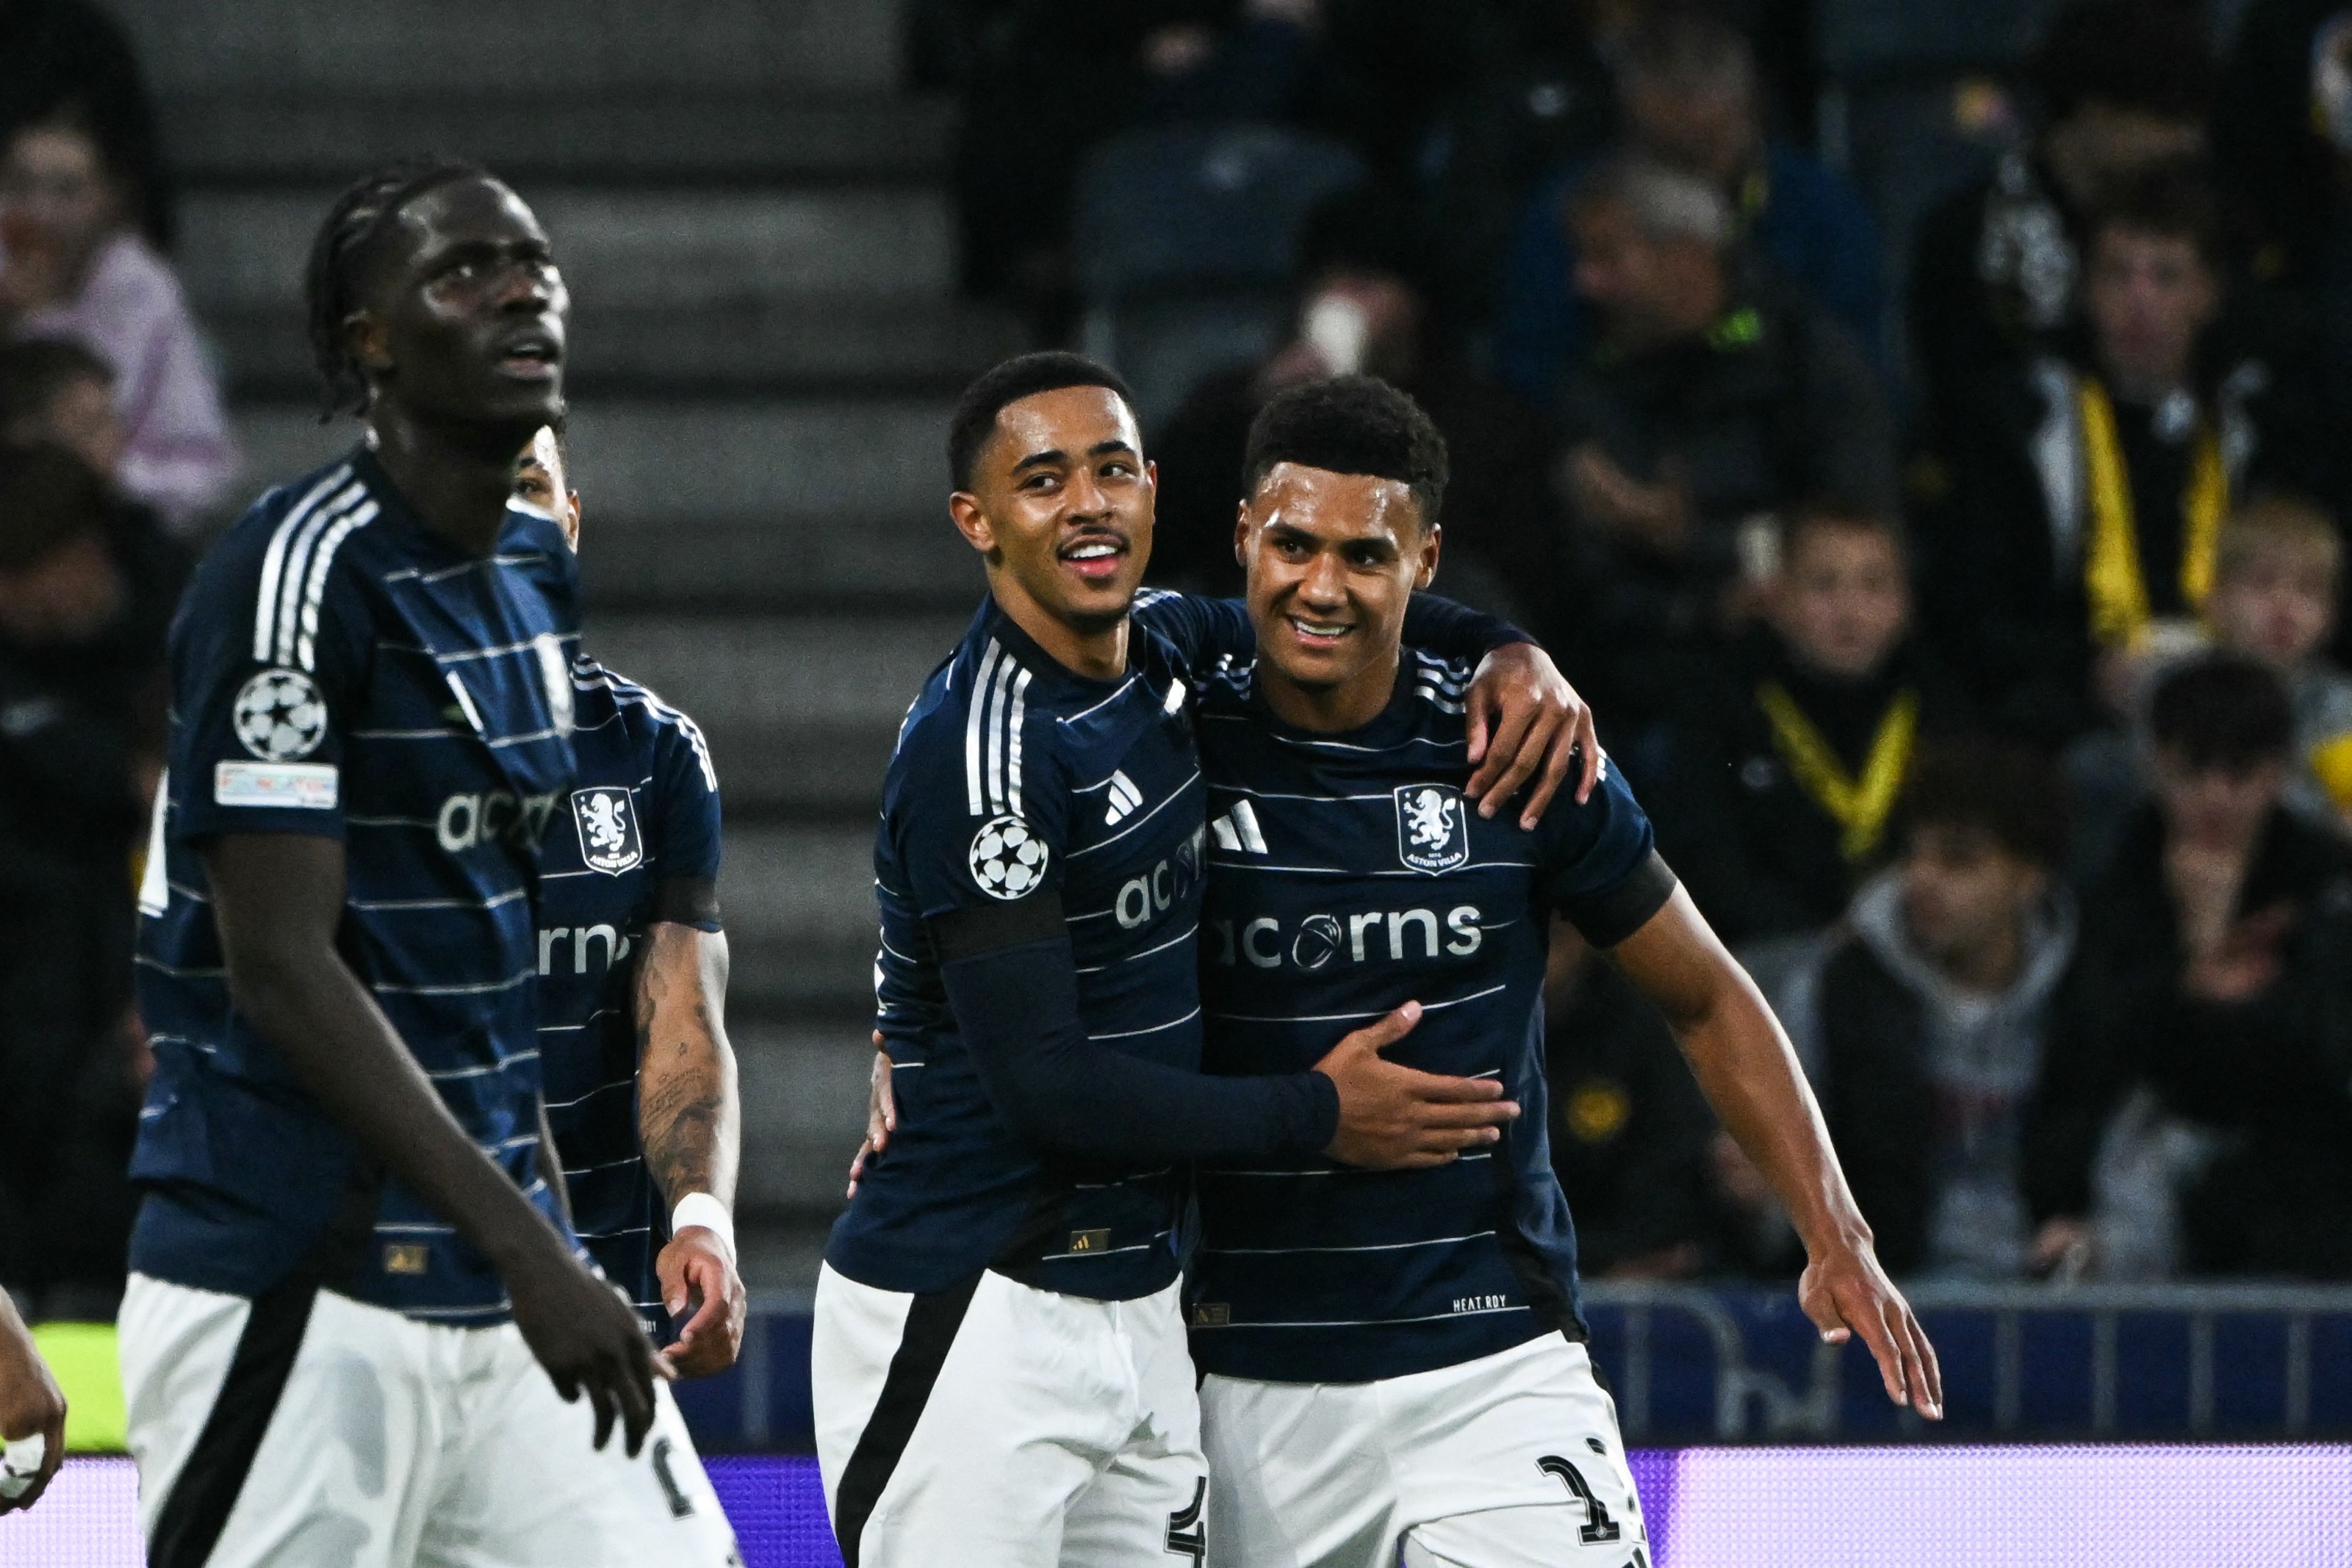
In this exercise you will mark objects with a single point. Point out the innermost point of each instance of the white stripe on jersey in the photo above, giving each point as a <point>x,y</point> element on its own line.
<point>996,714</point>
<point>273,564</point>
<point>587,675</point>
<point>1350,1017</point>
<point>973,720</point>
<point>298,569</point>
<point>1376,1246</point>
<point>321,561</point>
<point>1013,761</point>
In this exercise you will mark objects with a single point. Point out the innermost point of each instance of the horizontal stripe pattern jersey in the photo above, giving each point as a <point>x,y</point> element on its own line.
<point>339,669</point>
<point>1348,874</point>
<point>1014,777</point>
<point>645,809</point>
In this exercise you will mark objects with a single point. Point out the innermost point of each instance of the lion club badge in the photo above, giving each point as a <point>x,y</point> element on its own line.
<point>1433,829</point>
<point>280,717</point>
<point>608,821</point>
<point>1008,861</point>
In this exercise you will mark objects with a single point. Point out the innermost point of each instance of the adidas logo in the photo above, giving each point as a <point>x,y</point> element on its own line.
<point>1237,831</point>
<point>1124,798</point>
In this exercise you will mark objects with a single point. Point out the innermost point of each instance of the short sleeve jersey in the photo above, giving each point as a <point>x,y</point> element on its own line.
<point>1017,786</point>
<point>1348,875</point>
<point>644,810</point>
<point>339,669</point>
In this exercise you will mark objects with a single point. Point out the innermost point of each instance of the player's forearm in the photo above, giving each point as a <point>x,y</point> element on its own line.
<point>277,902</point>
<point>690,1114</point>
<point>1746,1068</point>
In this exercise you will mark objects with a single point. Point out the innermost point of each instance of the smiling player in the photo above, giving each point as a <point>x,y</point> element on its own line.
<point>999,1366</point>
<point>1395,1361</point>
<point>356,1313</point>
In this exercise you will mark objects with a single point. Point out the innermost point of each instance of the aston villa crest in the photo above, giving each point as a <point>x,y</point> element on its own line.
<point>607,820</point>
<point>1433,828</point>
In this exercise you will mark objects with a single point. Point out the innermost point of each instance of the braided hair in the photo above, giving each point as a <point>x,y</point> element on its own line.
<point>346,248</point>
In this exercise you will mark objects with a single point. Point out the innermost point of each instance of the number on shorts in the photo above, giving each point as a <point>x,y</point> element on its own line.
<point>1187,1537</point>
<point>680,1505</point>
<point>1597,1526</point>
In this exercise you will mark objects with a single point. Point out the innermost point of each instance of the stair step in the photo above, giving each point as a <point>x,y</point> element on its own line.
<point>805,1090</point>
<point>798,903</point>
<point>517,47</point>
<point>618,136</point>
<point>676,250</point>
<point>769,347</point>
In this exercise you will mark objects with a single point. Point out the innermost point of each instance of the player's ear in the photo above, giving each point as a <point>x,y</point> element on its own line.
<point>971,521</point>
<point>366,336</point>
<point>571,518</point>
<point>1432,538</point>
<point>1241,533</point>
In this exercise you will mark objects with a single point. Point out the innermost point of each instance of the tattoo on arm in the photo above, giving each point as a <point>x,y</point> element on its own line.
<point>685,1069</point>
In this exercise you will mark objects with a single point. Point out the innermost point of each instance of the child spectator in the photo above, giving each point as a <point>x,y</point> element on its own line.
<point>2276,574</point>
<point>1784,770</point>
<point>2087,511</point>
<point>73,265</point>
<point>1927,1019</point>
<point>2210,1000</point>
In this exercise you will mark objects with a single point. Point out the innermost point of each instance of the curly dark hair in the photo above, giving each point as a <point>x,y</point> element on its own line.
<point>1351,425</point>
<point>1024,375</point>
<point>2223,711</point>
<point>347,247</point>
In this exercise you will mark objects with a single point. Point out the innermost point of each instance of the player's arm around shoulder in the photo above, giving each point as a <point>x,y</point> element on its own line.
<point>691,1119</point>
<point>1745,1064</point>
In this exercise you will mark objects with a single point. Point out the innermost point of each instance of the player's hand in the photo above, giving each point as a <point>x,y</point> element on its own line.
<point>590,1341</point>
<point>881,1114</point>
<point>1527,722</point>
<point>698,1274</point>
<point>1394,1118</point>
<point>31,1405</point>
<point>1845,1292</point>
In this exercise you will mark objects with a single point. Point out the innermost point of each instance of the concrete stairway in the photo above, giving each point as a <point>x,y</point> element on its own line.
<point>766,343</point>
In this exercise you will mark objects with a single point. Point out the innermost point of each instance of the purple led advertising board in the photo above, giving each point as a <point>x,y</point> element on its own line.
<point>2283,1506</point>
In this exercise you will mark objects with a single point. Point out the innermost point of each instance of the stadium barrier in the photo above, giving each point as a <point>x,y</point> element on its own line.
<point>1711,1364</point>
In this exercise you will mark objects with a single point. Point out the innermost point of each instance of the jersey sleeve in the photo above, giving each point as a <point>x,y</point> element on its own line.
<point>684,818</point>
<point>1601,864</point>
<point>1450,630</point>
<point>979,817</point>
<point>268,675</point>
<point>1201,629</point>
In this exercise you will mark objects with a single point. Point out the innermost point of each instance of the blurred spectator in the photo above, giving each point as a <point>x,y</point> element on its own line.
<point>2088,497</point>
<point>1687,81</point>
<point>2277,572</point>
<point>1784,769</point>
<point>73,265</point>
<point>84,602</point>
<point>1659,1192</point>
<point>57,55</point>
<point>1051,80</point>
<point>1997,268</point>
<point>1360,311</point>
<point>56,390</point>
<point>1711,400</point>
<point>2211,1003</point>
<point>1926,1018</point>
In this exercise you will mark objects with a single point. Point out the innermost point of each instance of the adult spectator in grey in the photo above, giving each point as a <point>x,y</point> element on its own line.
<point>74,265</point>
<point>2211,1001</point>
<point>1924,1022</point>
<point>83,610</point>
<point>1713,398</point>
<point>1687,87</point>
<point>1997,270</point>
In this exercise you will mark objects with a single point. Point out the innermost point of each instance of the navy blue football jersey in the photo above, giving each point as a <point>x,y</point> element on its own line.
<point>339,669</point>
<point>644,810</point>
<point>1348,875</point>
<point>1014,777</point>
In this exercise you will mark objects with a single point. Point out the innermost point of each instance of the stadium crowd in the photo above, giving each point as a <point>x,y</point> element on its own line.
<point>1961,597</point>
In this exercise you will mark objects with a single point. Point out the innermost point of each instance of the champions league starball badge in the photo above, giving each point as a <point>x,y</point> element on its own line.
<point>280,717</point>
<point>1008,861</point>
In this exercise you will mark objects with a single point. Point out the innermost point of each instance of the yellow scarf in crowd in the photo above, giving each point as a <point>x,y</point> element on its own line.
<point>2111,565</point>
<point>1860,806</point>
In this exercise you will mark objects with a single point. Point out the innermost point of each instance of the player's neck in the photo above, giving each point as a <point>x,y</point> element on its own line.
<point>457,481</point>
<point>1093,651</point>
<point>1351,704</point>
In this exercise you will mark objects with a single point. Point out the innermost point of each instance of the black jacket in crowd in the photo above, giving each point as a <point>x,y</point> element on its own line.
<point>2273,1073</point>
<point>1759,856</point>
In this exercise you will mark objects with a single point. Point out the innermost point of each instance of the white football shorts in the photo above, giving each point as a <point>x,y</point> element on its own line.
<point>276,1432</point>
<point>1512,1460</point>
<point>1004,1427</point>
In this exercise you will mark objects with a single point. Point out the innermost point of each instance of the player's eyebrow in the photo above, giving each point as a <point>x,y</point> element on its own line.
<point>1054,455</point>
